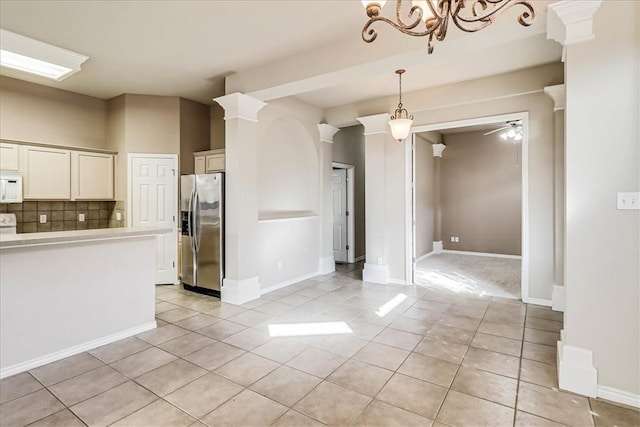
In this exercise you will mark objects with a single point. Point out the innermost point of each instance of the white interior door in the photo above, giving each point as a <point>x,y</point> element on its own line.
<point>153,202</point>
<point>340,244</point>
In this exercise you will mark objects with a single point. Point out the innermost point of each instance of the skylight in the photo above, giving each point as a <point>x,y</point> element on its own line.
<point>23,54</point>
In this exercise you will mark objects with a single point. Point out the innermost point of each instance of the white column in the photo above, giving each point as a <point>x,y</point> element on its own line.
<point>599,351</point>
<point>438,149</point>
<point>326,263</point>
<point>376,268</point>
<point>241,282</point>
<point>558,95</point>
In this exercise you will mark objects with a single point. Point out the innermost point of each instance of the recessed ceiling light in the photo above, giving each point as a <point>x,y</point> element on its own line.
<point>27,55</point>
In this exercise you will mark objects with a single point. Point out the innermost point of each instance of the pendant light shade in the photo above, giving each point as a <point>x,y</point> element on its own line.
<point>400,122</point>
<point>400,128</point>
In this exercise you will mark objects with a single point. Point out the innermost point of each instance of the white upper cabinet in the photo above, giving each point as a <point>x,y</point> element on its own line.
<point>46,173</point>
<point>209,161</point>
<point>9,156</point>
<point>91,176</point>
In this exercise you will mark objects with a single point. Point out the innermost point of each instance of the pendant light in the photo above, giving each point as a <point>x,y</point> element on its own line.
<point>400,127</point>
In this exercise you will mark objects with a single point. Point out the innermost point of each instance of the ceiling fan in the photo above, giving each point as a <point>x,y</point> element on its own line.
<point>512,130</point>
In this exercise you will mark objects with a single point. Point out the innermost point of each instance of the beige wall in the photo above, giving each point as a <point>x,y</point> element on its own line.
<point>602,274</point>
<point>348,147</point>
<point>34,113</point>
<point>194,132</point>
<point>216,120</point>
<point>481,193</point>
<point>425,193</point>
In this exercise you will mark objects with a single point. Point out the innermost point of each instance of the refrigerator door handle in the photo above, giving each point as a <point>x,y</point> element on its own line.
<point>190,222</point>
<point>198,231</point>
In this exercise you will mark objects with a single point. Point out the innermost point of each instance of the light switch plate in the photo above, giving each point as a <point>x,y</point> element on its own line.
<point>43,219</point>
<point>81,217</point>
<point>628,201</point>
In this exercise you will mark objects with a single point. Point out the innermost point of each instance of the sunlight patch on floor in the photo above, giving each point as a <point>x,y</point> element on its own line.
<point>306,329</point>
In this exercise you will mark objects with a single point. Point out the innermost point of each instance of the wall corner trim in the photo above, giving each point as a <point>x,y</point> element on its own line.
<point>376,124</point>
<point>575,369</point>
<point>376,273</point>
<point>240,106</point>
<point>327,132</point>
<point>558,94</point>
<point>570,22</point>
<point>240,291</point>
<point>326,265</point>
<point>438,149</point>
<point>558,299</point>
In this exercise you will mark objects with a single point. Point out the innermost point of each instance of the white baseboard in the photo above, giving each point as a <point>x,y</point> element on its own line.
<point>360,258</point>
<point>537,301</point>
<point>289,282</point>
<point>575,369</point>
<point>558,298</point>
<point>437,247</point>
<point>76,349</point>
<point>326,265</point>
<point>425,256</point>
<point>375,273</point>
<point>619,396</point>
<point>398,282</point>
<point>240,291</point>
<point>448,251</point>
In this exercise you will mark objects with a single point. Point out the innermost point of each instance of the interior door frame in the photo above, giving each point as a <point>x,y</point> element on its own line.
<point>524,165</point>
<point>351,238</point>
<point>176,183</point>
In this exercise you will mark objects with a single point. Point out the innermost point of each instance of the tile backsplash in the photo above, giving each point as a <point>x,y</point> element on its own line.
<point>63,215</point>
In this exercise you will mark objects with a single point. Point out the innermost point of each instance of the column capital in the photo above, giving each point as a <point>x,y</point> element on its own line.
<point>327,132</point>
<point>558,94</point>
<point>570,22</point>
<point>240,106</point>
<point>438,149</point>
<point>375,124</point>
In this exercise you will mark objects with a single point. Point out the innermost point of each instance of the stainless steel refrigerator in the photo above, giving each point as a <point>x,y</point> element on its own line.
<point>202,221</point>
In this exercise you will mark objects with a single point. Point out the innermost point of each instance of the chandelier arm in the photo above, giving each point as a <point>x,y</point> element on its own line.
<point>485,18</point>
<point>370,34</point>
<point>413,10</point>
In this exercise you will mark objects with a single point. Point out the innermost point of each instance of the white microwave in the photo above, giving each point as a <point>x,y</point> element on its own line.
<point>10,187</point>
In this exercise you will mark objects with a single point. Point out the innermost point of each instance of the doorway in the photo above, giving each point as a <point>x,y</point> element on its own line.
<point>152,201</point>
<point>343,187</point>
<point>455,260</point>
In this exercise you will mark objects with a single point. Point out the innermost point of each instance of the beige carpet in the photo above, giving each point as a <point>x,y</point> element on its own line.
<point>471,274</point>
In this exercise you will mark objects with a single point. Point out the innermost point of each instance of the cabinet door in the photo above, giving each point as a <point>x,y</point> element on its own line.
<point>46,173</point>
<point>215,162</point>
<point>9,159</point>
<point>200,165</point>
<point>92,176</point>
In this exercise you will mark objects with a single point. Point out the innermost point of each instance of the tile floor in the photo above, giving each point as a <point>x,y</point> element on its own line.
<point>436,358</point>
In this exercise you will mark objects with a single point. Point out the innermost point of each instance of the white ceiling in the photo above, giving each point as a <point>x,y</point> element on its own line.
<point>185,48</point>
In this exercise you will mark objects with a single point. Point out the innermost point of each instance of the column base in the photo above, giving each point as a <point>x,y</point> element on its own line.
<point>376,273</point>
<point>326,265</point>
<point>575,369</point>
<point>240,291</point>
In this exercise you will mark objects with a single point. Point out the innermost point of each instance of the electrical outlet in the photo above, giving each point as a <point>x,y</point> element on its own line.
<point>628,201</point>
<point>453,239</point>
<point>43,219</point>
<point>457,239</point>
<point>118,216</point>
<point>81,217</point>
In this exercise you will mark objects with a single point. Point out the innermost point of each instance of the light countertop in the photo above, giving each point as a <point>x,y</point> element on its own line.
<point>8,241</point>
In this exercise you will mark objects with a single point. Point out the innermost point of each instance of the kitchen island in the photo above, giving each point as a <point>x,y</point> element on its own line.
<point>62,293</point>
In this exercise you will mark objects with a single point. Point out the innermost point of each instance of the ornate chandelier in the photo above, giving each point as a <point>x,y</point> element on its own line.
<point>435,14</point>
<point>400,127</point>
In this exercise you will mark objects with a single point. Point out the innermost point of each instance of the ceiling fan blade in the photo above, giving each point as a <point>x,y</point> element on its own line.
<point>497,130</point>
